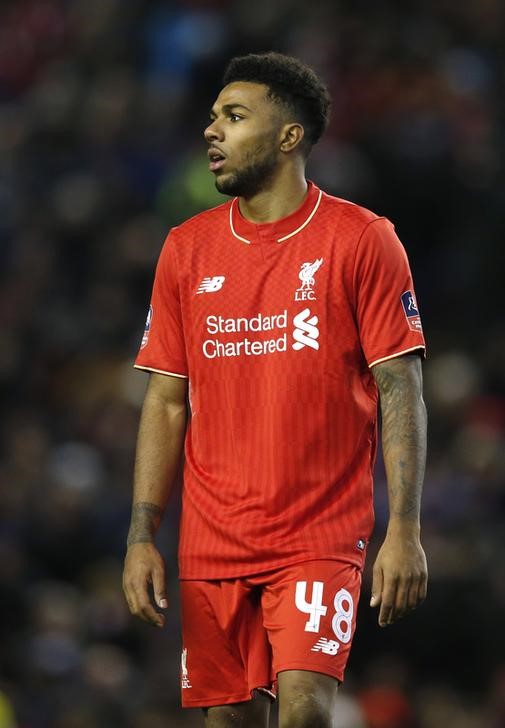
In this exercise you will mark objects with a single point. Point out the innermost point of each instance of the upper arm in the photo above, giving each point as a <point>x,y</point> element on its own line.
<point>387,316</point>
<point>163,348</point>
<point>399,377</point>
<point>170,390</point>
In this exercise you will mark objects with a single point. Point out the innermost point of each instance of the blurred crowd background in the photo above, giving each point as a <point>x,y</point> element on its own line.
<point>102,107</point>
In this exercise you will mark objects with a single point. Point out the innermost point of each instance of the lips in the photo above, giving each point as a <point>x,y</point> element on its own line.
<point>216,159</point>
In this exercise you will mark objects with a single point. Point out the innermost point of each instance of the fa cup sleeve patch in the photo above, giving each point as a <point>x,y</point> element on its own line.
<point>411,311</point>
<point>145,336</point>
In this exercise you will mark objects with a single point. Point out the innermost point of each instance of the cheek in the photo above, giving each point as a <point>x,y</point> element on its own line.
<point>261,149</point>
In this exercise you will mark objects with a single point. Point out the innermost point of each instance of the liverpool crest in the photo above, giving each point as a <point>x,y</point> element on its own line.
<point>306,275</point>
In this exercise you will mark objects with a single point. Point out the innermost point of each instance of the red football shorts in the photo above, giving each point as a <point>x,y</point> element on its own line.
<point>238,634</point>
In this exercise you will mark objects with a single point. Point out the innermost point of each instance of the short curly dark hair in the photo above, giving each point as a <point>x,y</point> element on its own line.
<point>291,83</point>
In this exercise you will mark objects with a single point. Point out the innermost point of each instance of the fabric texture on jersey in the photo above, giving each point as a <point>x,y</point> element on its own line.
<point>277,325</point>
<point>238,634</point>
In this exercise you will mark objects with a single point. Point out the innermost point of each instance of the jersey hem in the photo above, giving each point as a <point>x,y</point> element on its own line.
<point>160,371</point>
<point>397,354</point>
<point>346,559</point>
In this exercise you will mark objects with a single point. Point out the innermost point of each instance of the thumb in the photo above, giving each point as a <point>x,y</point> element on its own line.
<point>159,587</point>
<point>377,582</point>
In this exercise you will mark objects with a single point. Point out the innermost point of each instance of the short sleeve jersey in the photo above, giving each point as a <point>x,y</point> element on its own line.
<point>277,327</point>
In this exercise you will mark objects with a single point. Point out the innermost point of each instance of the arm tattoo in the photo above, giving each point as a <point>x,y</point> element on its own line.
<point>146,518</point>
<point>403,432</point>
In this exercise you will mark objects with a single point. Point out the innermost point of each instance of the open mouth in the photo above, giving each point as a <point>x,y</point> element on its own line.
<point>216,159</point>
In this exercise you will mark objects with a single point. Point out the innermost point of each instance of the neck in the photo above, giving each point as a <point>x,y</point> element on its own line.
<point>284,195</point>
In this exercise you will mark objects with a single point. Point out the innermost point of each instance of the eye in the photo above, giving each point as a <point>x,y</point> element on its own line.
<point>235,117</point>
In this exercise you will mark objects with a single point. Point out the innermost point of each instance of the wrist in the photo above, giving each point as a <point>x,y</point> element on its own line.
<point>145,520</point>
<point>399,525</point>
<point>136,539</point>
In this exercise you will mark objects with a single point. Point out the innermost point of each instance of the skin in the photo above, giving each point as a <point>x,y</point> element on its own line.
<point>400,573</point>
<point>255,712</point>
<point>265,166</point>
<point>159,448</point>
<point>250,129</point>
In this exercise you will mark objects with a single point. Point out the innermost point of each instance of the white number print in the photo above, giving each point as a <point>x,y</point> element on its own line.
<point>342,619</point>
<point>315,607</point>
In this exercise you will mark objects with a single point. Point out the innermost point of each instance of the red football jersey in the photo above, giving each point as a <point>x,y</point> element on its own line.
<point>277,325</point>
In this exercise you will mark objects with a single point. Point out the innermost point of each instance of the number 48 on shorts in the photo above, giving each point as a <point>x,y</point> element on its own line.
<point>342,618</point>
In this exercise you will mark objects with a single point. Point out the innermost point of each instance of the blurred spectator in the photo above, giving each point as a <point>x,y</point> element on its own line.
<point>102,108</point>
<point>7,719</point>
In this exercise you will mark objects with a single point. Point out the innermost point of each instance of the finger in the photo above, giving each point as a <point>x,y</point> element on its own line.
<point>423,589</point>
<point>414,592</point>
<point>146,611</point>
<point>401,600</point>
<point>142,606</point>
<point>387,602</point>
<point>159,587</point>
<point>150,615</point>
<point>129,596</point>
<point>129,603</point>
<point>376,587</point>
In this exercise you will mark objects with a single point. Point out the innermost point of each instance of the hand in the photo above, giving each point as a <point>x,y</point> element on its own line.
<point>400,576</point>
<point>144,566</point>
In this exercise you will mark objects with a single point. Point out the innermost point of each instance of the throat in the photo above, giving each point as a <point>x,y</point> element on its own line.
<point>271,205</point>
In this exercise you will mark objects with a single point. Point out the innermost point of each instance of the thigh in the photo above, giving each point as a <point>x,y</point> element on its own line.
<point>226,654</point>
<point>252,714</point>
<point>306,698</point>
<point>309,612</point>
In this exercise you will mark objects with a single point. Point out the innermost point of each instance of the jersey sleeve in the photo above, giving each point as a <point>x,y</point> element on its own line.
<point>163,347</point>
<point>386,308</point>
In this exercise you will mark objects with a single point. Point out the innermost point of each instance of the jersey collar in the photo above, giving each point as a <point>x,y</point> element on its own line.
<point>281,230</point>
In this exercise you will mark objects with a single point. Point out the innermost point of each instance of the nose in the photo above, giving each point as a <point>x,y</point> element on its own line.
<point>213,132</point>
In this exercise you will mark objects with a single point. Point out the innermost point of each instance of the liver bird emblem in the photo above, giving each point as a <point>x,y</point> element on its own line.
<point>306,274</point>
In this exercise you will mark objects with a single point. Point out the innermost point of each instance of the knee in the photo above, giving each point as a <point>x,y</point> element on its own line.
<point>305,710</point>
<point>223,717</point>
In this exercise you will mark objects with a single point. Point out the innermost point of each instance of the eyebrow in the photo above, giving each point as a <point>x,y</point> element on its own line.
<point>228,107</point>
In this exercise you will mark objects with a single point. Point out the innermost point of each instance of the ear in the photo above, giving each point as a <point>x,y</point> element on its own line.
<point>291,135</point>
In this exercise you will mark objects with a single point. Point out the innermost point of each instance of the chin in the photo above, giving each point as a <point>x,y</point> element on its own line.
<point>249,180</point>
<point>227,185</point>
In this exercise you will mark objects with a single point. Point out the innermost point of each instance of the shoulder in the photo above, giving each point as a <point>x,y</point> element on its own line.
<point>348,217</point>
<point>348,222</point>
<point>206,221</point>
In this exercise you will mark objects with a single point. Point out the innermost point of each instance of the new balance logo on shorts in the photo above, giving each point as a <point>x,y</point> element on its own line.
<point>329,647</point>
<point>211,285</point>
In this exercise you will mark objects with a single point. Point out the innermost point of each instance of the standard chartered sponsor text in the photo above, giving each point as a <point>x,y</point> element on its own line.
<point>215,348</point>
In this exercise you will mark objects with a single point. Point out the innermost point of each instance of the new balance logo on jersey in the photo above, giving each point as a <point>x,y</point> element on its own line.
<point>328,647</point>
<point>306,332</point>
<point>211,285</point>
<point>306,275</point>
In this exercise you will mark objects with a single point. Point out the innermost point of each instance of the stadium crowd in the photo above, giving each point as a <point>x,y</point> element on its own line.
<point>102,107</point>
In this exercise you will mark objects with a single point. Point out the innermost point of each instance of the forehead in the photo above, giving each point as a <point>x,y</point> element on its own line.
<point>244,93</point>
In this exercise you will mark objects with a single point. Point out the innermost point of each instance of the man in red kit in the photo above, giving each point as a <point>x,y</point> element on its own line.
<point>283,314</point>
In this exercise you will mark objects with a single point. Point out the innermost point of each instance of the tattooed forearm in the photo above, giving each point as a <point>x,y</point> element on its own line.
<point>403,433</point>
<point>145,520</point>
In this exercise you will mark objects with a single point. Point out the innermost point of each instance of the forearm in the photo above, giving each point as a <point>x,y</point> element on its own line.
<point>404,424</point>
<point>159,449</point>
